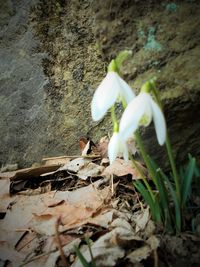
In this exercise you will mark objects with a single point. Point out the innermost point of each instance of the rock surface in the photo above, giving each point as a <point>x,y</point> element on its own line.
<point>21,82</point>
<point>54,54</point>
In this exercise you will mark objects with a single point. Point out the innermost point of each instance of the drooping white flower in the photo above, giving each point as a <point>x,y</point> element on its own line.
<point>110,89</point>
<point>116,147</point>
<point>140,111</point>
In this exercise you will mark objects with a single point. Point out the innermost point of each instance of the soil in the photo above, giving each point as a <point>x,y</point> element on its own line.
<point>179,251</point>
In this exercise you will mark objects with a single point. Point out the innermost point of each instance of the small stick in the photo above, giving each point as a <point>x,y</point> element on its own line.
<point>112,185</point>
<point>73,157</point>
<point>155,258</point>
<point>62,255</point>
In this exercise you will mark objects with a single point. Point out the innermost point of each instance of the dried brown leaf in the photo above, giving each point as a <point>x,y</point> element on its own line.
<point>75,165</point>
<point>74,214</point>
<point>105,162</point>
<point>5,198</point>
<point>8,253</point>
<point>102,147</point>
<point>4,187</point>
<point>144,252</point>
<point>89,149</point>
<point>37,191</point>
<point>20,216</point>
<point>139,254</point>
<point>111,247</point>
<point>53,257</point>
<point>153,242</point>
<point>62,160</point>
<point>28,172</point>
<point>27,243</point>
<point>90,170</point>
<point>121,168</point>
<point>54,202</point>
<point>141,219</point>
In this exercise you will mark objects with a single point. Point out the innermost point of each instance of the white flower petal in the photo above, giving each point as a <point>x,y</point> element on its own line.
<point>125,152</point>
<point>148,108</point>
<point>117,146</point>
<point>132,115</point>
<point>159,122</point>
<point>126,92</point>
<point>113,147</point>
<point>105,96</point>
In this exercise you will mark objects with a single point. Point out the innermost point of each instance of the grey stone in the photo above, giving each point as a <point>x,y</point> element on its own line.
<point>21,85</point>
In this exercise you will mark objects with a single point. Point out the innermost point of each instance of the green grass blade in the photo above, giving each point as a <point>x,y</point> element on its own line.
<point>160,185</point>
<point>164,200</point>
<point>187,180</point>
<point>154,170</point>
<point>175,200</point>
<point>182,173</point>
<point>147,197</point>
<point>82,258</point>
<point>91,255</point>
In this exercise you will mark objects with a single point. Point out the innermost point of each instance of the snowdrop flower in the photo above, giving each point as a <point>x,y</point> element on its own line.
<point>140,111</point>
<point>111,88</point>
<point>117,146</point>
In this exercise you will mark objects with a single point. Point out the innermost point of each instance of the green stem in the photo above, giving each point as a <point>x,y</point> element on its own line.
<point>169,149</point>
<point>124,104</point>
<point>144,154</point>
<point>156,212</point>
<point>173,166</point>
<point>114,119</point>
<point>145,157</point>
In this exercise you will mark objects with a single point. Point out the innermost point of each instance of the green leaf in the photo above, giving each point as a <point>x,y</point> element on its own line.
<point>196,168</point>
<point>154,168</point>
<point>147,197</point>
<point>181,173</point>
<point>160,185</point>
<point>175,200</point>
<point>187,179</point>
<point>82,258</point>
<point>89,246</point>
<point>113,66</point>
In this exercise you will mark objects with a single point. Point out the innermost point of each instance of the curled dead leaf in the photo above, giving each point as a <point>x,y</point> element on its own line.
<point>121,168</point>
<point>102,147</point>
<point>75,165</point>
<point>90,170</point>
<point>141,219</point>
<point>54,202</point>
<point>139,254</point>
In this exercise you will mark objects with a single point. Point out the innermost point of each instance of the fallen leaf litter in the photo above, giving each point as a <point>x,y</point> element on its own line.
<point>78,192</point>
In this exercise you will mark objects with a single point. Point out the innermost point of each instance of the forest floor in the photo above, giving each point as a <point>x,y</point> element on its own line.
<point>50,209</point>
